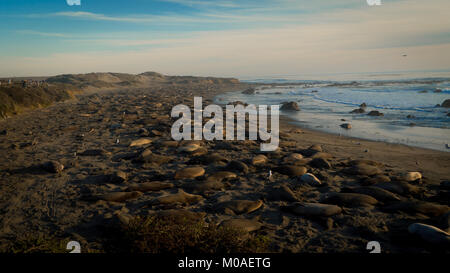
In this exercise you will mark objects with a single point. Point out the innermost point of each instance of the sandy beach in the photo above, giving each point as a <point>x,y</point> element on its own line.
<point>71,170</point>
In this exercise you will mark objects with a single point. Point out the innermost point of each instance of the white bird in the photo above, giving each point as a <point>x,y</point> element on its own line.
<point>270,176</point>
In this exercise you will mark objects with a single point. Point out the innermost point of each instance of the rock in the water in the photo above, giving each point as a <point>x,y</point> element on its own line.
<point>140,142</point>
<point>282,193</point>
<point>363,105</point>
<point>375,114</point>
<point>314,209</point>
<point>351,199</point>
<point>180,197</point>
<point>446,103</point>
<point>259,160</point>
<point>430,234</point>
<point>53,166</point>
<point>310,179</point>
<point>236,165</point>
<point>150,186</point>
<point>291,170</point>
<point>290,106</point>
<point>249,91</point>
<point>346,125</point>
<point>120,196</point>
<point>412,176</point>
<point>243,224</point>
<point>358,111</point>
<point>189,173</point>
<point>238,206</point>
<point>363,169</point>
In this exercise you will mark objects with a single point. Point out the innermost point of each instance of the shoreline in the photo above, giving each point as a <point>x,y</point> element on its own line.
<point>432,163</point>
<point>320,118</point>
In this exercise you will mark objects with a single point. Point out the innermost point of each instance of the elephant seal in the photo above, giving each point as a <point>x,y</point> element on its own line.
<point>140,142</point>
<point>179,197</point>
<point>351,200</point>
<point>422,207</point>
<point>221,175</point>
<point>376,192</point>
<point>150,186</point>
<point>239,206</point>
<point>190,172</point>
<point>282,193</point>
<point>313,209</point>
<point>430,234</point>
<point>119,196</point>
<point>203,186</point>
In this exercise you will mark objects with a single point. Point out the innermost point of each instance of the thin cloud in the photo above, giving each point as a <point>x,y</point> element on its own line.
<point>166,19</point>
<point>208,3</point>
<point>44,34</point>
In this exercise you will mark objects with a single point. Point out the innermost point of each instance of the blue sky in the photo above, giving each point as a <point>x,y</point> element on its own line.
<point>222,38</point>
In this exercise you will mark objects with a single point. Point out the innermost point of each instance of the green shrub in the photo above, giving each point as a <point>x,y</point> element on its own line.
<point>153,234</point>
<point>14,99</point>
<point>37,244</point>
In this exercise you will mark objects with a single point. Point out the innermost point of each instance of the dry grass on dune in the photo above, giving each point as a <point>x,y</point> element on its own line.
<point>14,99</point>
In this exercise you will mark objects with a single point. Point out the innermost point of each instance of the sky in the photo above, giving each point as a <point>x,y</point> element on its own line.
<point>232,38</point>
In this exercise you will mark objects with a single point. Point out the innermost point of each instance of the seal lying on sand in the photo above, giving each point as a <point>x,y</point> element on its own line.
<point>350,199</point>
<point>119,196</point>
<point>150,186</point>
<point>179,197</point>
<point>239,206</point>
<point>427,208</point>
<point>313,209</point>
<point>430,234</point>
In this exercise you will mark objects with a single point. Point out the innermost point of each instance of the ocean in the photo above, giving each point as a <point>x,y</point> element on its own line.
<point>408,101</point>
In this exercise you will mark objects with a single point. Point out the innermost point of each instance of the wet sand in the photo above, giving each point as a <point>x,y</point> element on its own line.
<point>91,137</point>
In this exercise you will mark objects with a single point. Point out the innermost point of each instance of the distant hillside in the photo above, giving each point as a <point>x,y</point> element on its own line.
<point>14,98</point>
<point>117,80</point>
